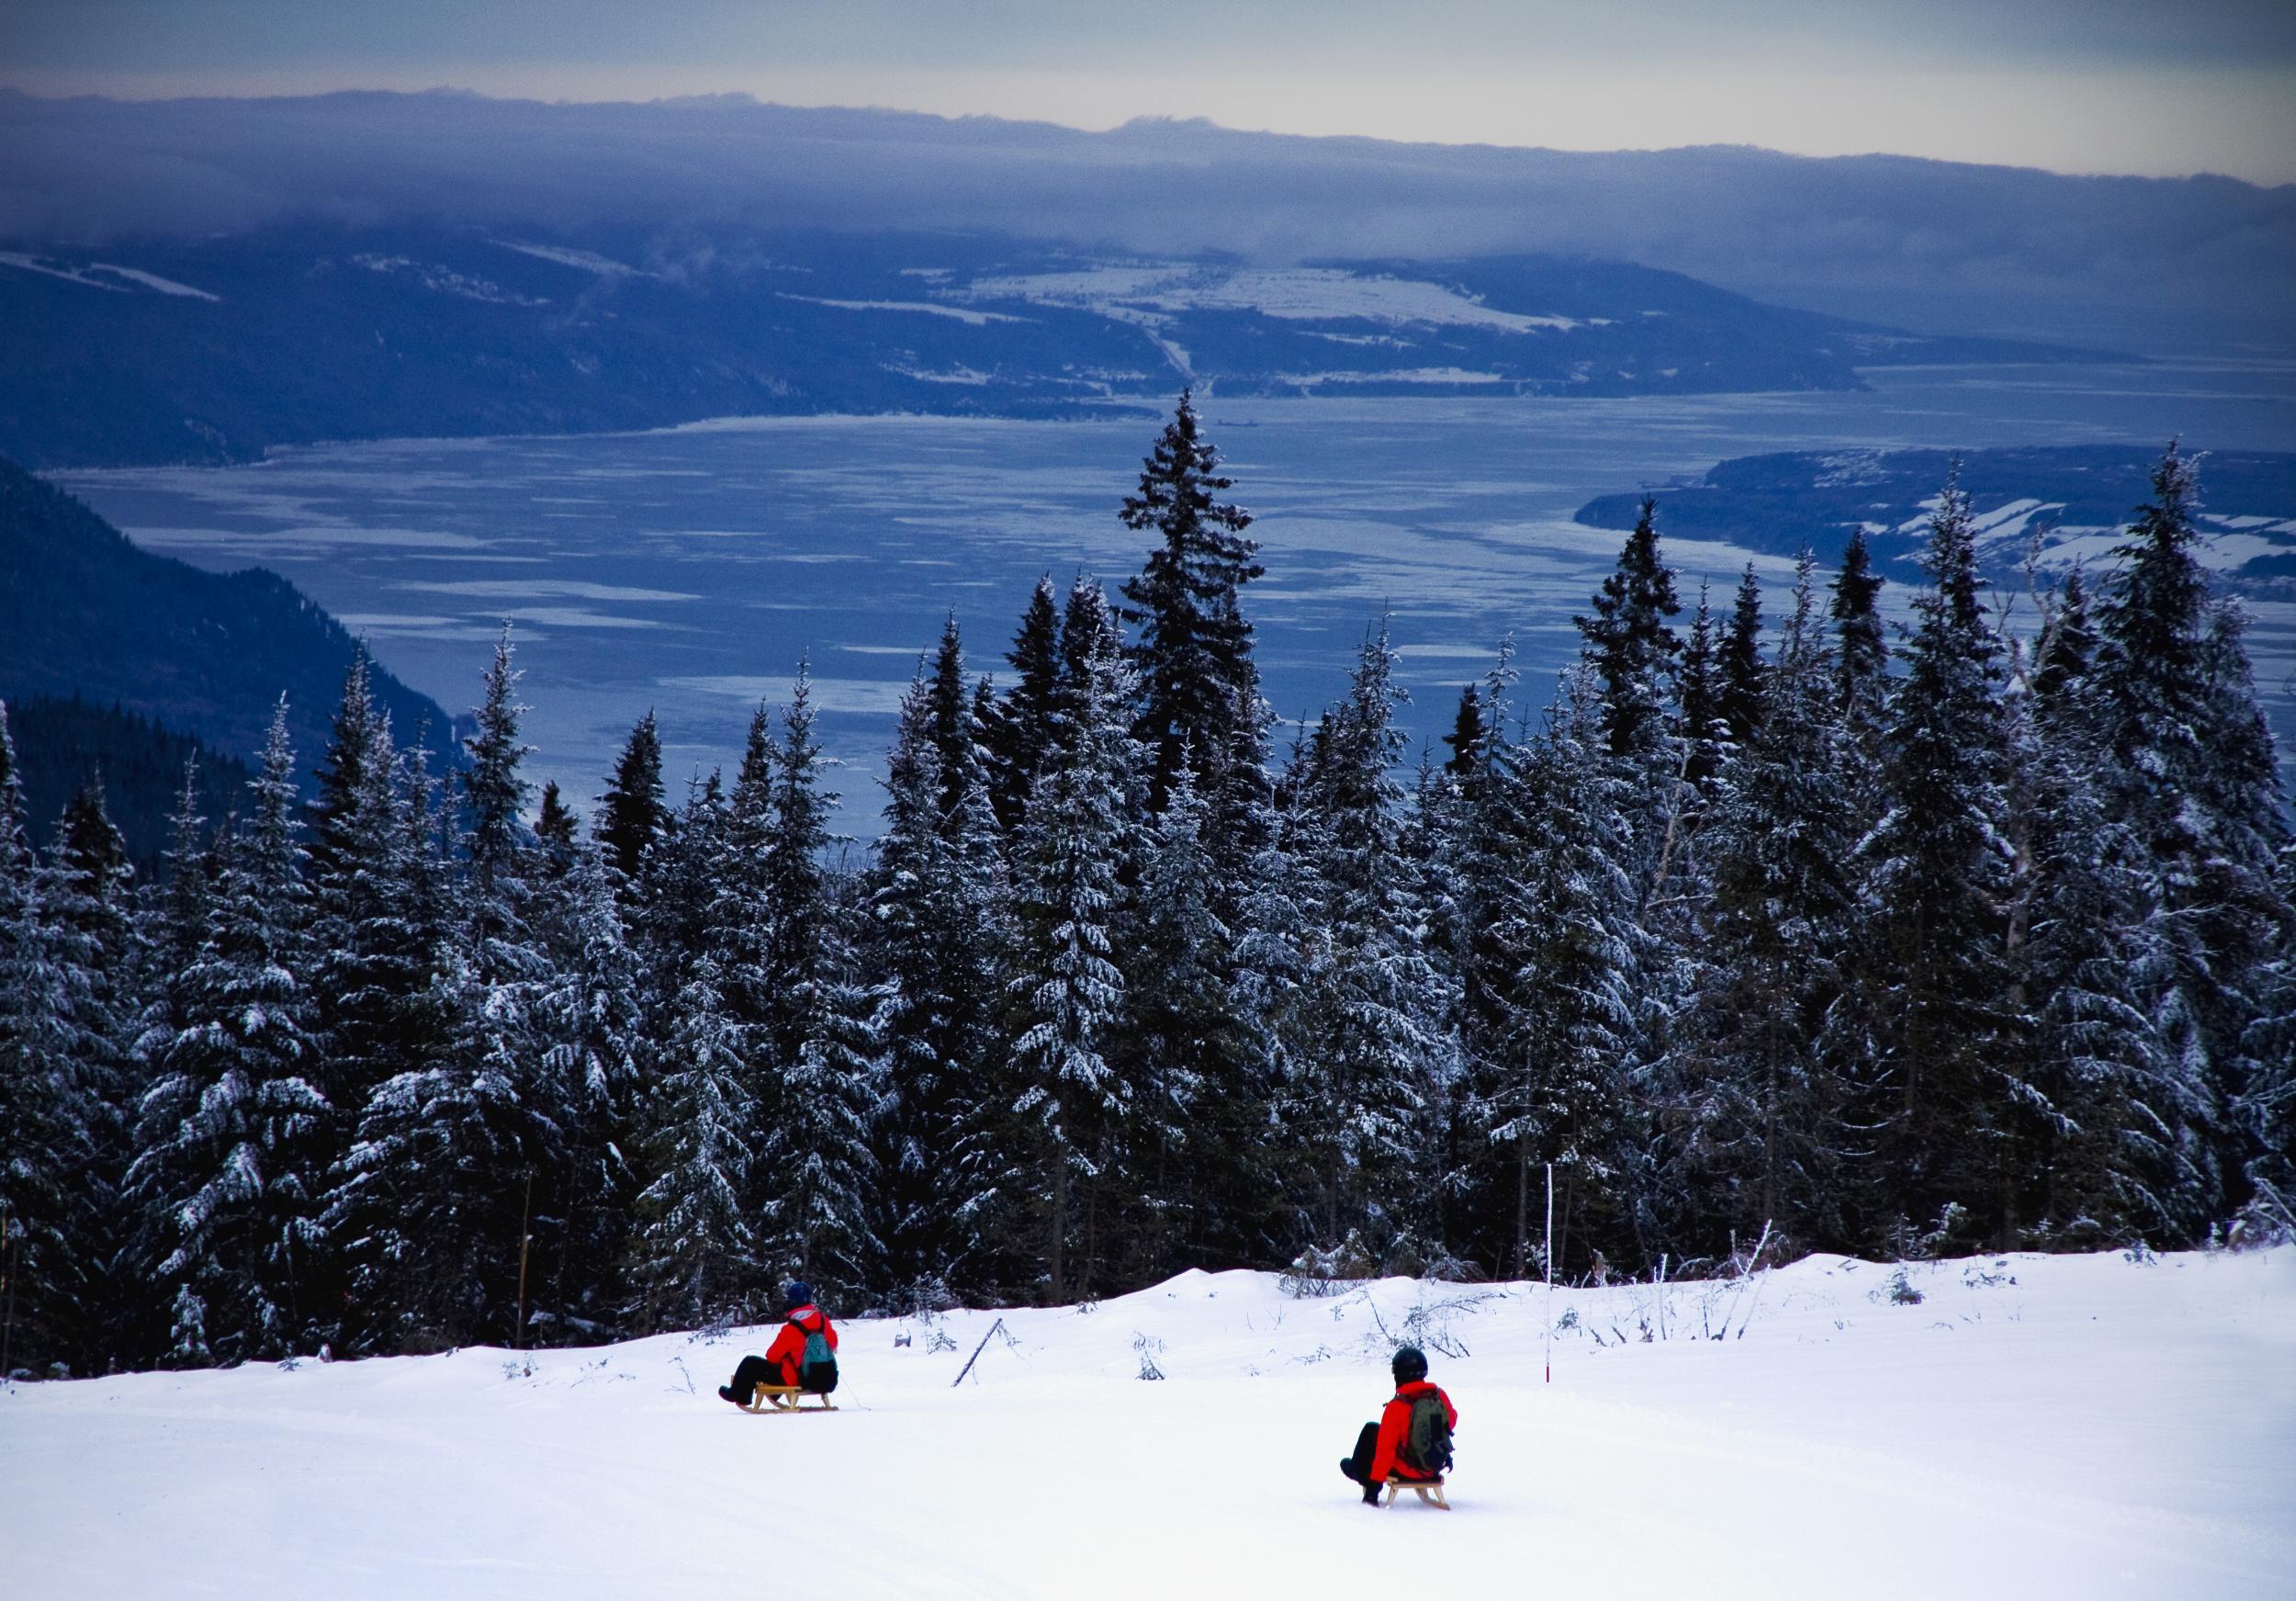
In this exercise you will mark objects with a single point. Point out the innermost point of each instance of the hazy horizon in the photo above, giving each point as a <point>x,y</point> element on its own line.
<point>2096,88</point>
<point>1138,120</point>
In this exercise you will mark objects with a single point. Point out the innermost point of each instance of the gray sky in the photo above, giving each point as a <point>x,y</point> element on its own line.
<point>2150,87</point>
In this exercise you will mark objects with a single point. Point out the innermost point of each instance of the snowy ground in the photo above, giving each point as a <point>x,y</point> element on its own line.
<point>2036,1426</point>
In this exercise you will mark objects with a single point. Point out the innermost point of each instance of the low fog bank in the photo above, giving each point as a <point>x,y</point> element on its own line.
<point>1908,240</point>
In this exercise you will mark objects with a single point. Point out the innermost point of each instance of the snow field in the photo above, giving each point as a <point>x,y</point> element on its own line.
<point>2035,1427</point>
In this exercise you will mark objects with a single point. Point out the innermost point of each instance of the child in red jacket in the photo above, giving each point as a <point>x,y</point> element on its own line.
<point>1383,1448</point>
<point>784,1359</point>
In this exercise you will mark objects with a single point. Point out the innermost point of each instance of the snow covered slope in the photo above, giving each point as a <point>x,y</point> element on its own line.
<point>2062,1427</point>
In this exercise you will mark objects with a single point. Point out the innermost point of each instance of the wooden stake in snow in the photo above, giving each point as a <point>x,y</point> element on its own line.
<point>525,1218</point>
<point>977,1353</point>
<point>1550,1272</point>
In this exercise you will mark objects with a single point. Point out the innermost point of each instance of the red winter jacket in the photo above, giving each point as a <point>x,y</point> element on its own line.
<point>1395,1428</point>
<point>788,1350</point>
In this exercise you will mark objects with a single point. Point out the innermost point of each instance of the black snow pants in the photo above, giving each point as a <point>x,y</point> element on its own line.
<point>754,1371</point>
<point>1358,1467</point>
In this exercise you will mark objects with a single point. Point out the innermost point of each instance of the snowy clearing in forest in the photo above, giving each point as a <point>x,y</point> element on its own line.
<point>2032,1427</point>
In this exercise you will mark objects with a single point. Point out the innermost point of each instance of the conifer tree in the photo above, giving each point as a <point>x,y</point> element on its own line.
<point>96,954</point>
<point>1741,696</point>
<point>44,1140</point>
<point>342,772</point>
<point>1761,1132</point>
<point>1067,994</point>
<point>814,1157</point>
<point>591,1014</point>
<point>1024,727</point>
<point>1862,653</point>
<point>1199,692</point>
<point>1935,1012</point>
<point>633,815</point>
<point>1467,735</point>
<point>1189,1051</point>
<point>1377,1052</point>
<point>956,731</point>
<point>2094,1119</point>
<point>695,1253</point>
<point>933,925</point>
<point>1698,689</point>
<point>1633,652</point>
<point>454,1154</point>
<point>229,1173</point>
<point>2196,781</point>
<point>1552,978</point>
<point>555,830</point>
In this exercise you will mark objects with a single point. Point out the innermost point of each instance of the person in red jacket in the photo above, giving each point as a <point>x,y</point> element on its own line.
<point>784,1361</point>
<point>1383,1448</point>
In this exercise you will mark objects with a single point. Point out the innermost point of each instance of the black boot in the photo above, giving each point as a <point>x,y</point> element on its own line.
<point>1370,1495</point>
<point>726,1393</point>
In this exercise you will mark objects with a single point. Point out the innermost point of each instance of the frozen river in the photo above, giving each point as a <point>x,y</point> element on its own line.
<point>688,571</point>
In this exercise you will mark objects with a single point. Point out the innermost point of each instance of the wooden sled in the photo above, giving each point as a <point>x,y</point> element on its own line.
<point>785,1398</point>
<point>1430,1491</point>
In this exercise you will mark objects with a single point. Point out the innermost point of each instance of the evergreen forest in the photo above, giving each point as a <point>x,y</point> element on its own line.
<point>1769,933</point>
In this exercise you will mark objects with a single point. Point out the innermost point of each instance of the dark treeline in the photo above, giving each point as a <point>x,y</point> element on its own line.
<point>1953,936</point>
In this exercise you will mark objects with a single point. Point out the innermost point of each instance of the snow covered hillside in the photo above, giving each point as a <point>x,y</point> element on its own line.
<point>2032,1427</point>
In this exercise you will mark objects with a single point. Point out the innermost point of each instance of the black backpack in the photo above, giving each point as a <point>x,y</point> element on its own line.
<point>817,1370</point>
<point>1426,1446</point>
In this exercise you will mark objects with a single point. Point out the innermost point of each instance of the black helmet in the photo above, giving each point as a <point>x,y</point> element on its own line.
<point>1410,1365</point>
<point>799,1293</point>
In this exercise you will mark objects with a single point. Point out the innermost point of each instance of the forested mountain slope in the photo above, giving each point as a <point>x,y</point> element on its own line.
<point>216,348</point>
<point>85,611</point>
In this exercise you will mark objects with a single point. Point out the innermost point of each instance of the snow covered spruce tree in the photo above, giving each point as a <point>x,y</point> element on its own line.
<point>695,1257</point>
<point>815,1160</point>
<point>1699,723</point>
<point>591,1014</point>
<point>1374,1048</point>
<point>454,1155</point>
<point>1548,987</point>
<point>230,1166</point>
<point>1199,692</point>
<point>1862,650</point>
<point>1024,723</point>
<point>931,934</point>
<point>370,959</point>
<point>1188,1049</point>
<point>1632,651</point>
<point>1653,742</point>
<point>633,815</point>
<point>1755,1130</point>
<point>1932,1020</point>
<point>392,915</point>
<point>1740,660</point>
<point>45,1138</point>
<point>2096,1153</point>
<point>2193,776</point>
<point>1075,1117</point>
<point>106,961</point>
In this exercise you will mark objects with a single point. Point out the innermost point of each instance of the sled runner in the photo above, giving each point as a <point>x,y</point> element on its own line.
<point>1430,1491</point>
<point>785,1398</point>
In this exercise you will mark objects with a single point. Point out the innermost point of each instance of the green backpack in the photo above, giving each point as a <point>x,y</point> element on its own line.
<point>1426,1446</point>
<point>817,1370</point>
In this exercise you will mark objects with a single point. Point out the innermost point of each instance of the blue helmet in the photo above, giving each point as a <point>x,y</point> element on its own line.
<point>1410,1365</point>
<point>798,1294</point>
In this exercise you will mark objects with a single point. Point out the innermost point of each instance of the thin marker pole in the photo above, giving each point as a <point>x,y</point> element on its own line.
<point>1550,1272</point>
<point>525,1234</point>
